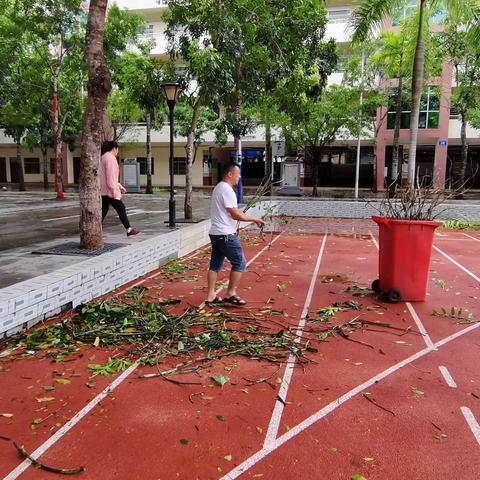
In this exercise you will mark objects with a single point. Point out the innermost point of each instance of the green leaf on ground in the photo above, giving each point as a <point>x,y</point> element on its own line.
<point>63,381</point>
<point>220,380</point>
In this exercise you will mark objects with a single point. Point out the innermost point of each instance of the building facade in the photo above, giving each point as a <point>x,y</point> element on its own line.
<point>438,140</point>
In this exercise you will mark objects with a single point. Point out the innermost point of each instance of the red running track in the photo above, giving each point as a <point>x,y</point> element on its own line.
<point>324,428</point>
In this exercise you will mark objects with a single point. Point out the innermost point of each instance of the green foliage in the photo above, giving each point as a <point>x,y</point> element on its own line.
<point>461,224</point>
<point>110,367</point>
<point>141,76</point>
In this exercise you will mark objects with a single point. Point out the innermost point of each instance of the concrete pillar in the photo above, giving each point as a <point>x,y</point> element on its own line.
<point>381,151</point>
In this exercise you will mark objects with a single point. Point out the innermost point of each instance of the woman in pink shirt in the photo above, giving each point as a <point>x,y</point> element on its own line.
<point>111,188</point>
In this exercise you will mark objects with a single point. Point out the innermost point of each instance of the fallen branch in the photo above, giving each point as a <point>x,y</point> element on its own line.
<point>371,400</point>
<point>37,464</point>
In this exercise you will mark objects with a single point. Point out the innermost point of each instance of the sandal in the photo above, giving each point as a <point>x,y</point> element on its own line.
<point>215,301</point>
<point>235,300</point>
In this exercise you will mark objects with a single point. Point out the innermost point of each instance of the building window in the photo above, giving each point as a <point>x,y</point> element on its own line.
<point>179,165</point>
<point>338,16</point>
<point>142,161</point>
<point>31,165</point>
<point>438,17</point>
<point>147,33</point>
<point>429,110</point>
<point>403,12</point>
<point>342,63</point>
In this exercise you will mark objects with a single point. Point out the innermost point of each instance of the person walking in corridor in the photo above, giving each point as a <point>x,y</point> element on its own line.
<point>111,188</point>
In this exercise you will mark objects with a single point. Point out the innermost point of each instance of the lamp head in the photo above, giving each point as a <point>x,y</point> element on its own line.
<point>171,90</point>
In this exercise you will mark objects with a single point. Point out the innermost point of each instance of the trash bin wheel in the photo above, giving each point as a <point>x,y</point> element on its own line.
<point>376,286</point>
<point>393,295</point>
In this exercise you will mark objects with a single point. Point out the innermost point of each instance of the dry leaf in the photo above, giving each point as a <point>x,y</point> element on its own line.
<point>6,415</point>
<point>45,399</point>
<point>63,381</point>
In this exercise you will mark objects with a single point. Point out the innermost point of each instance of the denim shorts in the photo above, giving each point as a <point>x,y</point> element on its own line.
<point>227,246</point>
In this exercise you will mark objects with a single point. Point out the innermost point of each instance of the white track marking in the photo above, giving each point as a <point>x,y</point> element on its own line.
<point>70,424</point>
<point>95,401</point>
<point>473,238</point>
<point>472,423</point>
<point>420,326</point>
<point>448,378</point>
<point>457,264</point>
<point>59,218</point>
<point>287,376</point>
<point>248,263</point>
<point>374,240</point>
<point>301,427</point>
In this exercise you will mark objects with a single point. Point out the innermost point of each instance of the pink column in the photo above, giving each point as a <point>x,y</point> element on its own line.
<point>441,147</point>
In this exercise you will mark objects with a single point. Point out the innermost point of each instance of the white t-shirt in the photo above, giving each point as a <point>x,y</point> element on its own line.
<point>223,197</point>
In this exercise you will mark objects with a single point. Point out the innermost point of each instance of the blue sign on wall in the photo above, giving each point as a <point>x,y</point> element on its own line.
<point>442,143</point>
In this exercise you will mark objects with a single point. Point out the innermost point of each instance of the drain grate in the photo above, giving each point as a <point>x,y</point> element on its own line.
<point>73,248</point>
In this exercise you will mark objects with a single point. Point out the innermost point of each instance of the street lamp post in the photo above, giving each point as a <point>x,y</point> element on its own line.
<point>171,91</point>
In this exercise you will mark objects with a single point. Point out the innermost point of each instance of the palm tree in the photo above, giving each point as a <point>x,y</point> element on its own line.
<point>391,58</point>
<point>371,13</point>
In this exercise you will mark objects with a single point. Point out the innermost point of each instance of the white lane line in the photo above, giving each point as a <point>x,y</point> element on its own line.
<point>472,423</point>
<point>70,424</point>
<point>59,218</point>
<point>265,451</point>
<point>249,262</point>
<point>447,377</point>
<point>457,264</point>
<point>373,239</point>
<point>420,326</point>
<point>138,212</point>
<point>473,238</point>
<point>95,401</point>
<point>287,376</point>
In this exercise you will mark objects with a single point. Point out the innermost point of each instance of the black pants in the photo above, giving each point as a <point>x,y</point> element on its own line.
<point>119,206</point>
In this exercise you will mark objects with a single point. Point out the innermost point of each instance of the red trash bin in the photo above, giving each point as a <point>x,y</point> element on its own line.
<point>405,248</point>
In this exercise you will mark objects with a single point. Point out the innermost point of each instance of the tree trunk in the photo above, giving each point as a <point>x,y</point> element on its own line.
<point>99,86</point>
<point>191,151</point>
<point>460,168</point>
<point>268,156</point>
<point>57,141</point>
<point>149,154</point>
<point>46,168</point>
<point>395,173</point>
<point>417,87</point>
<point>18,161</point>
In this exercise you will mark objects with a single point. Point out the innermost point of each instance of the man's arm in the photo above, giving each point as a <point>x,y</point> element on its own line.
<point>241,216</point>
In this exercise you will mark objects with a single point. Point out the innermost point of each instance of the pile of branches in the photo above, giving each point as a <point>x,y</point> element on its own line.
<point>149,332</point>
<point>153,333</point>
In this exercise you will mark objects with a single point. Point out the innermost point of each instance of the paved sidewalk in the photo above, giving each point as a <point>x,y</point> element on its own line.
<point>18,211</point>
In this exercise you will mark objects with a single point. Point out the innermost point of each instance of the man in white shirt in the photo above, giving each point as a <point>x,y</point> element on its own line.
<point>225,214</point>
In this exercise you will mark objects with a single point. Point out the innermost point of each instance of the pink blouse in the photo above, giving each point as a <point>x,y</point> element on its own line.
<point>109,173</point>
